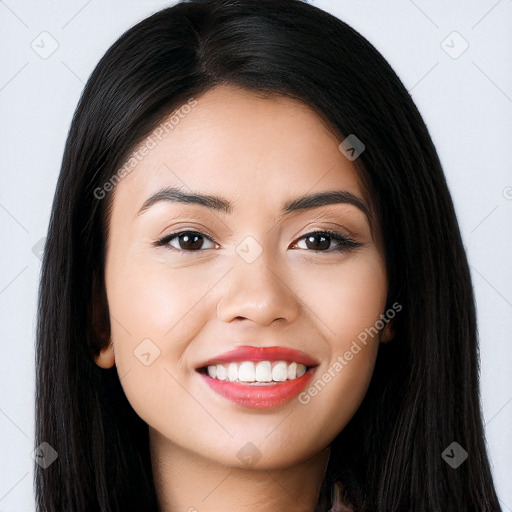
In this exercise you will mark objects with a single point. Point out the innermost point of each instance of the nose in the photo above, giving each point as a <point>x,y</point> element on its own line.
<point>256,292</point>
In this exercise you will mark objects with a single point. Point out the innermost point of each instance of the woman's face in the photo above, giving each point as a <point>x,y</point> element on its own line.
<point>243,273</point>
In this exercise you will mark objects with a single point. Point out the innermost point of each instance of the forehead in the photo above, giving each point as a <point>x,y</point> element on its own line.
<point>245,146</point>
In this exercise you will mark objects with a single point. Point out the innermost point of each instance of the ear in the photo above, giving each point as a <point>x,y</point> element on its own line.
<point>106,357</point>
<point>388,332</point>
<point>101,344</point>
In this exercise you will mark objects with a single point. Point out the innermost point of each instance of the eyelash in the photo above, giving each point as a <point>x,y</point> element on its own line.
<point>346,243</point>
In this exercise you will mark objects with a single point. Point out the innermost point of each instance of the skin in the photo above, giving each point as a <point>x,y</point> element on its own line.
<point>193,305</point>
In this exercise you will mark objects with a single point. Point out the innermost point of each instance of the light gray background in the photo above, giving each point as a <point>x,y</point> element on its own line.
<point>465,99</point>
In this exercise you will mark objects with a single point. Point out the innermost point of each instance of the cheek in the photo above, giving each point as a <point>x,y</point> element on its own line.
<point>349,303</point>
<point>347,298</point>
<point>151,300</point>
<point>155,311</point>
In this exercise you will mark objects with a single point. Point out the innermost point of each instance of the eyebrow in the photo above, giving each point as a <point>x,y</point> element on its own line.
<point>175,195</point>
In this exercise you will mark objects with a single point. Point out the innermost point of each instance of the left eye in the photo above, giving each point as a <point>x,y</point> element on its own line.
<point>321,241</point>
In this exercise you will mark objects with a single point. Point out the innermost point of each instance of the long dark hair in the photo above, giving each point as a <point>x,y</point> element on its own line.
<point>424,392</point>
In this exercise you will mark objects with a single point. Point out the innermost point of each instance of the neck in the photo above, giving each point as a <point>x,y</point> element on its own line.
<point>186,481</point>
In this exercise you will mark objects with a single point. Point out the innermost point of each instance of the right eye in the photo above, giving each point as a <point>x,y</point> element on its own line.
<point>185,241</point>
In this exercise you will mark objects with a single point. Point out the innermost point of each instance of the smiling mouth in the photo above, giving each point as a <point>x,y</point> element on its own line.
<point>256,373</point>
<point>258,377</point>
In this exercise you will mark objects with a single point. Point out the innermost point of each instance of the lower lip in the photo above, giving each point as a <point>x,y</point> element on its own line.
<point>259,396</point>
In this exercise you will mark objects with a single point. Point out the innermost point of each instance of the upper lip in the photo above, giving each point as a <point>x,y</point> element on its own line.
<point>250,353</point>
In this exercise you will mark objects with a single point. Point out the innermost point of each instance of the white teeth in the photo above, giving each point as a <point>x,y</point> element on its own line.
<point>279,372</point>
<point>232,372</point>
<point>212,371</point>
<point>262,371</point>
<point>246,373</point>
<point>292,371</point>
<point>221,372</point>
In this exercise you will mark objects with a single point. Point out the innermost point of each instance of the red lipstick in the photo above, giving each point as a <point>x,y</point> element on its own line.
<point>260,395</point>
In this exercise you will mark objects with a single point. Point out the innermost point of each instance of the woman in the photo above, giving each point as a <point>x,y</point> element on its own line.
<point>254,293</point>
